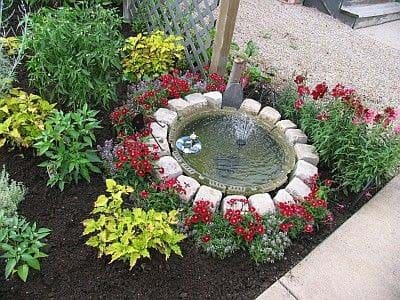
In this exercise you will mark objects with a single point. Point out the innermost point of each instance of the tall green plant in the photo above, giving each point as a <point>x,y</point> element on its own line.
<point>75,55</point>
<point>11,193</point>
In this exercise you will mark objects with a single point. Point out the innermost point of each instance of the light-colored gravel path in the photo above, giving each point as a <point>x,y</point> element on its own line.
<point>294,38</point>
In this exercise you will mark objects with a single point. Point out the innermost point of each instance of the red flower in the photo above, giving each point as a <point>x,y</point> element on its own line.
<point>298,104</point>
<point>303,90</point>
<point>119,165</point>
<point>299,79</point>
<point>260,229</point>
<point>144,194</point>
<point>206,238</point>
<point>248,237</point>
<point>308,228</point>
<point>240,230</point>
<point>319,91</point>
<point>328,182</point>
<point>286,226</point>
<point>323,116</point>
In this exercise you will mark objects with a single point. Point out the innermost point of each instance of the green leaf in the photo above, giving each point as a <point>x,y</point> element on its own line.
<point>10,267</point>
<point>23,271</point>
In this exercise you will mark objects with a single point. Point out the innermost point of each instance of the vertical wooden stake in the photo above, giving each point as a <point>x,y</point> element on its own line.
<point>223,39</point>
<point>127,10</point>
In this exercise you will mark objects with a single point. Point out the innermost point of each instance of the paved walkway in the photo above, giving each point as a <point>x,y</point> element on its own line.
<point>360,260</point>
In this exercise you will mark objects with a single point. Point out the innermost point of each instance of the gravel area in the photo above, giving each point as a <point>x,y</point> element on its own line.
<point>294,38</point>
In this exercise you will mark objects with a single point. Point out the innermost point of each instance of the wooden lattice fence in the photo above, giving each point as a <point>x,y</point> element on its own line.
<point>192,19</point>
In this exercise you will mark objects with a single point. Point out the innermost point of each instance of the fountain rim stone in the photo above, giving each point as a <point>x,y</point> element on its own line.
<point>279,137</point>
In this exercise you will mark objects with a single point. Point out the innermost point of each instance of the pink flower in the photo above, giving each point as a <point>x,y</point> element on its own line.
<point>298,104</point>
<point>369,115</point>
<point>397,129</point>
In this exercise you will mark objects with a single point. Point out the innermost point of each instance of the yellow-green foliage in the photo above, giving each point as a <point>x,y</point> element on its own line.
<point>150,56</point>
<point>22,117</point>
<point>128,234</point>
<point>10,45</point>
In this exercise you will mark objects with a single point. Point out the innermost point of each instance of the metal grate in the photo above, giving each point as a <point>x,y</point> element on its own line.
<point>192,19</point>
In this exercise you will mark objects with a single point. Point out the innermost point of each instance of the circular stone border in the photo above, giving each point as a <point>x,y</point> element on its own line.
<point>305,157</point>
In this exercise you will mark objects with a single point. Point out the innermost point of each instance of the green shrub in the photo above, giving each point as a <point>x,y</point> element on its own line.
<point>361,146</point>
<point>148,56</point>
<point>20,245</point>
<point>55,3</point>
<point>11,194</point>
<point>66,142</point>
<point>129,234</point>
<point>75,55</point>
<point>21,117</point>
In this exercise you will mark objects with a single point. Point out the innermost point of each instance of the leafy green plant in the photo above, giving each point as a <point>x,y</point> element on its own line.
<point>128,234</point>
<point>148,56</point>
<point>11,193</point>
<point>66,142</point>
<point>20,245</point>
<point>22,117</point>
<point>57,3</point>
<point>360,145</point>
<point>75,55</point>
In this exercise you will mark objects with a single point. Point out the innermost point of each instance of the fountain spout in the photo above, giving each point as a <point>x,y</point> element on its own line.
<point>244,127</point>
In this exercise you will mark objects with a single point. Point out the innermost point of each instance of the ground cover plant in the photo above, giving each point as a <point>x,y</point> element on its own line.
<point>74,55</point>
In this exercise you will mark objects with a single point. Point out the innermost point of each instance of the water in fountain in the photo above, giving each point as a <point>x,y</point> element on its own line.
<point>243,126</point>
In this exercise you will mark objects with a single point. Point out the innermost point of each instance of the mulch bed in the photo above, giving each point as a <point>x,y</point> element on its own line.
<point>73,270</point>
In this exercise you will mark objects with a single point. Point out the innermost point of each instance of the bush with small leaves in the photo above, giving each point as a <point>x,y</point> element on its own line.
<point>11,193</point>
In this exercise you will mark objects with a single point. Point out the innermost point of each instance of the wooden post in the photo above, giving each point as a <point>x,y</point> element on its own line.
<point>127,10</point>
<point>239,66</point>
<point>223,39</point>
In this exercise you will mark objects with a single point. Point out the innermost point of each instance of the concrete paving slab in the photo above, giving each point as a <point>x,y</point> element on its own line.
<point>276,292</point>
<point>360,260</point>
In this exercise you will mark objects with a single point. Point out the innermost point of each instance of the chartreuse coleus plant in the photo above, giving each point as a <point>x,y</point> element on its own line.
<point>10,45</point>
<point>148,56</point>
<point>22,117</point>
<point>67,142</point>
<point>20,245</point>
<point>128,234</point>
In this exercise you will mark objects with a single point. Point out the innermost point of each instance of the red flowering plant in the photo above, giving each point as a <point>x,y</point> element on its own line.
<point>223,235</point>
<point>308,213</point>
<point>360,144</point>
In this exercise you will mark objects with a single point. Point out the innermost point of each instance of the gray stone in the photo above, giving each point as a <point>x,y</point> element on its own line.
<point>238,205</point>
<point>251,106</point>
<point>190,185</point>
<point>166,116</point>
<point>298,189</point>
<point>162,149</point>
<point>295,136</point>
<point>307,153</point>
<point>214,99</point>
<point>171,168</point>
<point>196,100</point>
<point>269,114</point>
<point>207,193</point>
<point>284,125</point>
<point>282,196</point>
<point>178,105</point>
<point>159,131</point>
<point>304,170</point>
<point>262,203</point>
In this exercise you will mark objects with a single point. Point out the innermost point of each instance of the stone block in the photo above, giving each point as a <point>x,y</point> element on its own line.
<point>241,204</point>
<point>250,106</point>
<point>298,189</point>
<point>171,167</point>
<point>284,125</point>
<point>270,115</point>
<point>209,194</point>
<point>283,197</point>
<point>190,185</point>
<point>162,148</point>
<point>307,153</point>
<point>262,203</point>
<point>166,116</point>
<point>304,170</point>
<point>178,105</point>
<point>196,100</point>
<point>295,136</point>
<point>159,130</point>
<point>214,99</point>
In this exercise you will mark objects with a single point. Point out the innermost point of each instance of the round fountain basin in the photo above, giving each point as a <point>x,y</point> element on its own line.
<point>260,165</point>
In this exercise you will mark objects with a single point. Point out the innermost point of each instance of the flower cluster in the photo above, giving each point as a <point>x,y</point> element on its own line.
<point>306,213</point>
<point>247,223</point>
<point>201,213</point>
<point>215,82</point>
<point>137,155</point>
<point>177,86</point>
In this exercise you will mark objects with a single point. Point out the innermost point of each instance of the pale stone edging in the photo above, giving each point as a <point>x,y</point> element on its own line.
<point>306,156</point>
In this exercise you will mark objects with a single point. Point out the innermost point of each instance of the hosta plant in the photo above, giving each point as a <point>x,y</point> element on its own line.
<point>67,143</point>
<point>22,117</point>
<point>148,56</point>
<point>223,235</point>
<point>21,245</point>
<point>128,234</point>
<point>11,193</point>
